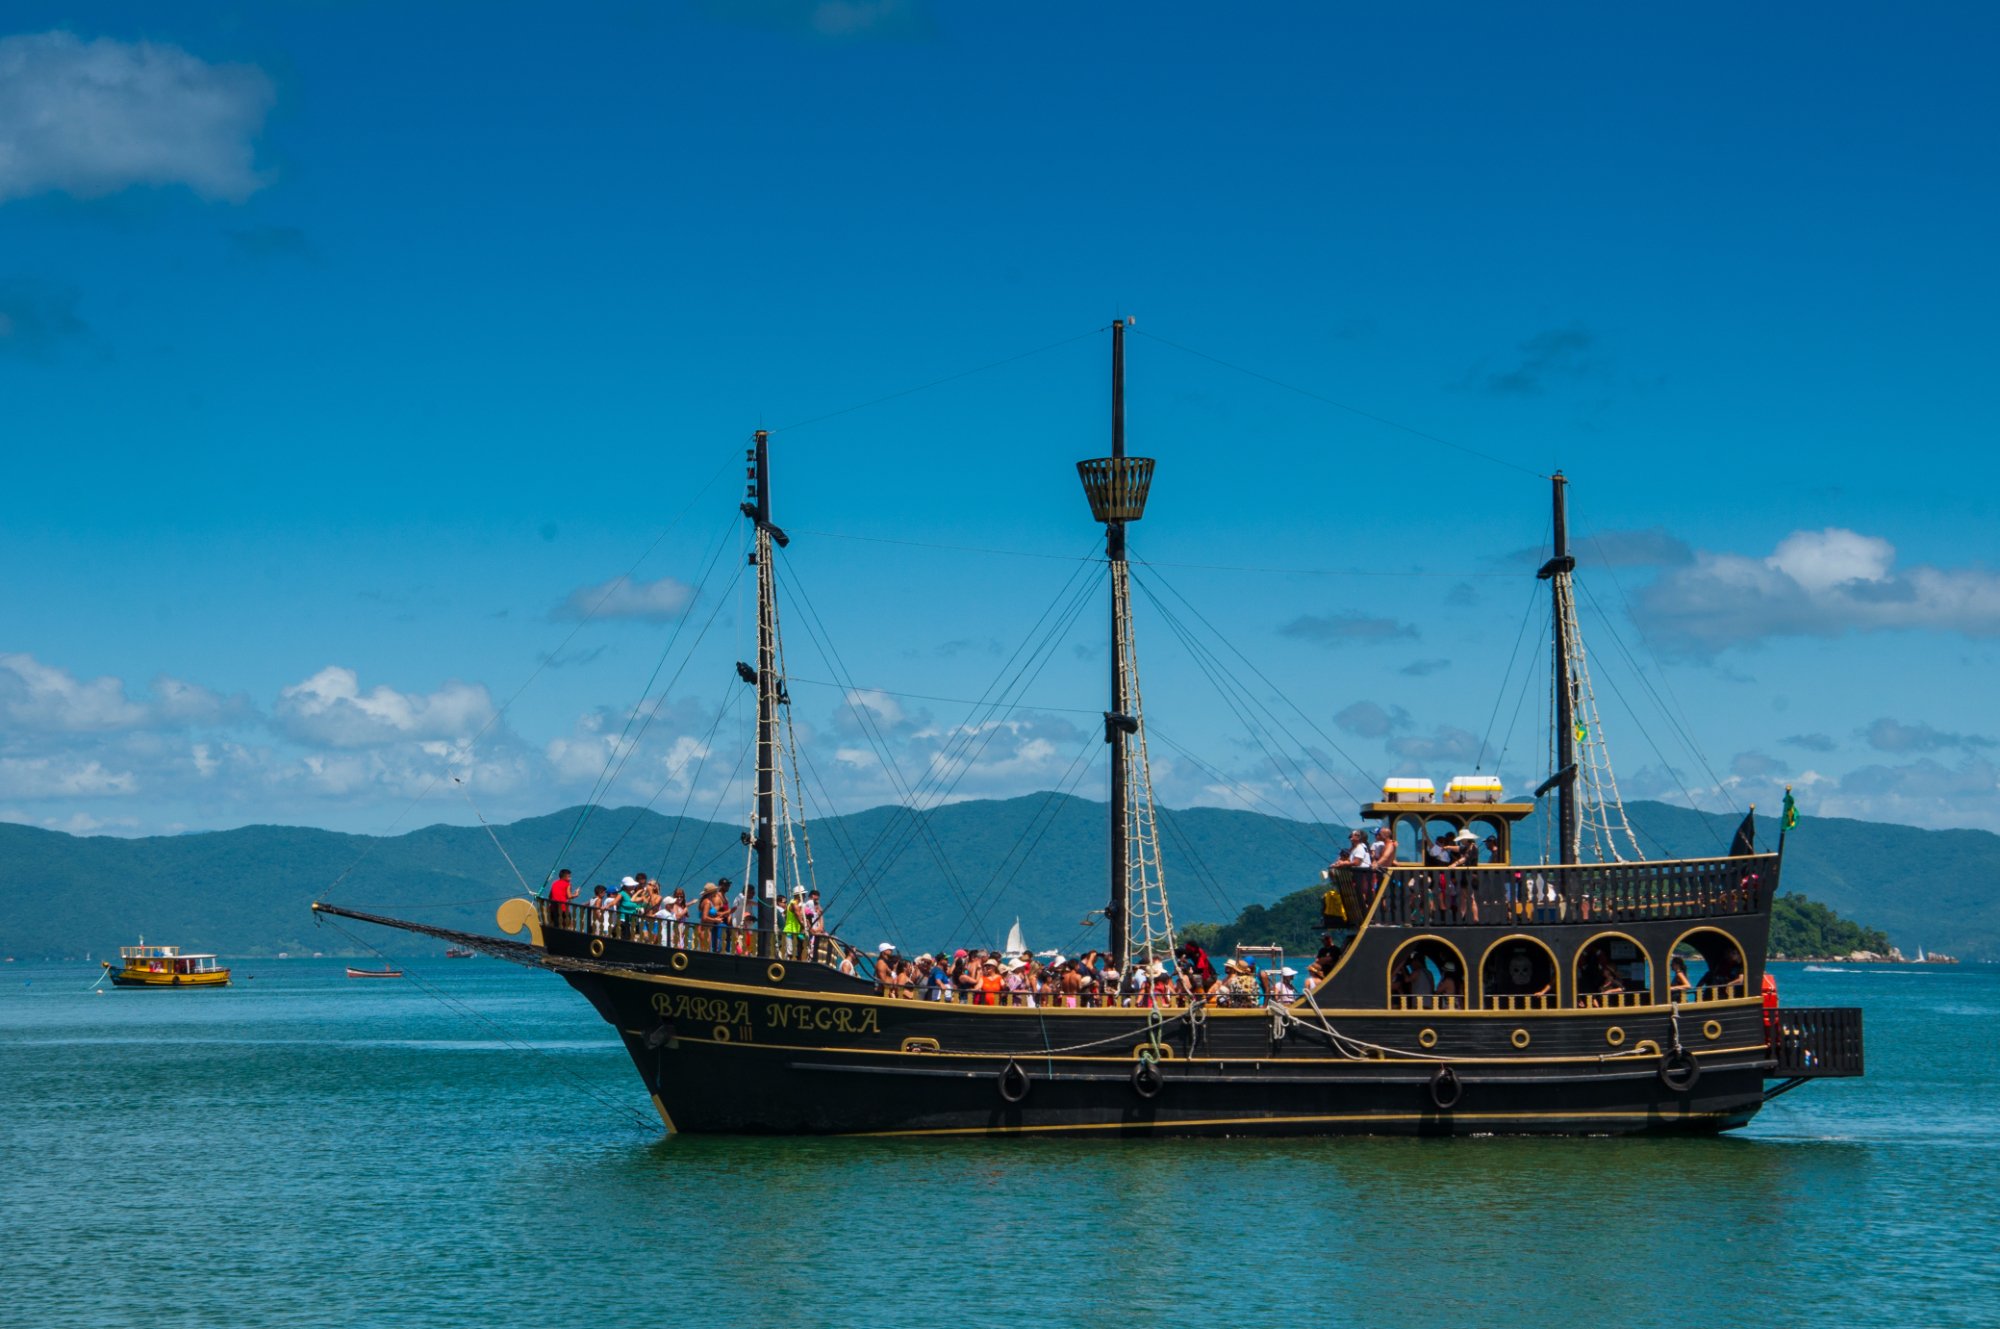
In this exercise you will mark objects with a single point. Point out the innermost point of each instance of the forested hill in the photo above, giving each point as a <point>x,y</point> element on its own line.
<point>961,873</point>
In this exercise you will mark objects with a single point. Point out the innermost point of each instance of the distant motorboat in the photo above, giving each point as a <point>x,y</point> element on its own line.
<point>144,966</point>
<point>458,953</point>
<point>352,972</point>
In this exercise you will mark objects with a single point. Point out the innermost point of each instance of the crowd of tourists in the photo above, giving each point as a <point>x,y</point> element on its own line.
<point>719,920</point>
<point>1023,978</point>
<point>641,909</point>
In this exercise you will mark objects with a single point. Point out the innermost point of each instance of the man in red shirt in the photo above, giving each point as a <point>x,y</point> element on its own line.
<point>562,894</point>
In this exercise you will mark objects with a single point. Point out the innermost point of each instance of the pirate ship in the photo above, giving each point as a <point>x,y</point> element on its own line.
<point>1595,992</point>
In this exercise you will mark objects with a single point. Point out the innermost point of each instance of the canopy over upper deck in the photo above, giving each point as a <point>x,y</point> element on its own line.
<point>1469,803</point>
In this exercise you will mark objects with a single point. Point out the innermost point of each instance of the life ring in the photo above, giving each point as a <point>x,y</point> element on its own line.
<point>776,973</point>
<point>1147,1079</point>
<point>1679,1071</point>
<point>679,960</point>
<point>1427,1039</point>
<point>1519,1038</point>
<point>1014,1082</point>
<point>1711,1030</point>
<point>1446,1088</point>
<point>596,947</point>
<point>1615,1036</point>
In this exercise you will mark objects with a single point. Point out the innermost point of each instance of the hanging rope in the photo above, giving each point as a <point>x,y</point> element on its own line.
<point>1146,886</point>
<point>1600,812</point>
<point>465,1011</point>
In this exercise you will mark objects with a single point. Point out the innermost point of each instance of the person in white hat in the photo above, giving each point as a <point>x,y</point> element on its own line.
<point>1465,854</point>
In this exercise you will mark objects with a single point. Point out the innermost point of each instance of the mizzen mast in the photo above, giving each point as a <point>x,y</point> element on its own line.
<point>1557,573</point>
<point>1587,790</point>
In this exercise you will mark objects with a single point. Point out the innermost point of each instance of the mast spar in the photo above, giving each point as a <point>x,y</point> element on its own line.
<point>764,838</point>
<point>1116,487</point>
<point>1556,572</point>
<point>1587,790</point>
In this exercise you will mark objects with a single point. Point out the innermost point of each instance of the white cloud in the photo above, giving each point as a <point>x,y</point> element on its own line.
<point>1365,719</point>
<point>1445,743</point>
<point>62,777</point>
<point>45,698</point>
<point>330,709</point>
<point>92,118</point>
<point>1814,584</point>
<point>887,711</point>
<point>76,823</point>
<point>1922,793</point>
<point>622,597</point>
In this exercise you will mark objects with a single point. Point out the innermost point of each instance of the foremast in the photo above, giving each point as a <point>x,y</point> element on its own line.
<point>773,799</point>
<point>1141,924</point>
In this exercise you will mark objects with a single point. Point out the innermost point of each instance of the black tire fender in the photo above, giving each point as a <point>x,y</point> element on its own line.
<point>1014,1082</point>
<point>1679,1071</point>
<point>1147,1078</point>
<point>1446,1088</point>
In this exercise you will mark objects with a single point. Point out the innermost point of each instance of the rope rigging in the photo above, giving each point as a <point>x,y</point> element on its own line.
<point>1277,691</point>
<point>541,666</point>
<point>621,750</point>
<point>1601,819</point>
<point>1245,706</point>
<point>967,743</point>
<point>1150,924</point>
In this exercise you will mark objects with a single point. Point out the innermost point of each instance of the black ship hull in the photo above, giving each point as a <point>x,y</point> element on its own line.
<point>750,1058</point>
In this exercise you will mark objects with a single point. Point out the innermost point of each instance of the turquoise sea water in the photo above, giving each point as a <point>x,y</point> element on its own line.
<point>465,1147</point>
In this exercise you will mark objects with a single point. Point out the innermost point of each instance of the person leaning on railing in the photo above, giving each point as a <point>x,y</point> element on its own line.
<point>710,911</point>
<point>562,894</point>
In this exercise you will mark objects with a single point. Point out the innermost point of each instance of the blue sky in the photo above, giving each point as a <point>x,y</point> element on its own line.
<point>343,346</point>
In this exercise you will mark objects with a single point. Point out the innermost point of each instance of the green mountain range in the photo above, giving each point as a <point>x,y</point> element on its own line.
<point>956,875</point>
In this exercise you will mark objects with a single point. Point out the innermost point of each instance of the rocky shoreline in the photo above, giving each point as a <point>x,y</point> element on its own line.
<point>1893,956</point>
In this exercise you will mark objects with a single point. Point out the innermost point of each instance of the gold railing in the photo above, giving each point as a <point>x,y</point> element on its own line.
<point>1428,897</point>
<point>1410,1001</point>
<point>1604,1000</point>
<point>1721,992</point>
<point>1508,1001</point>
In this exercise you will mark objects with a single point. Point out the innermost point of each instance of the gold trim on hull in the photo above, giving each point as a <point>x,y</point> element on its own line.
<point>1691,1118</point>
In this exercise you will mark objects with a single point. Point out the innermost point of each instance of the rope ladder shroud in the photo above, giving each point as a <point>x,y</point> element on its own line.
<point>1601,818</point>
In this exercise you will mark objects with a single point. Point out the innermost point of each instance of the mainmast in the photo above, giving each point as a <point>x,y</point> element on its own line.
<point>1116,487</point>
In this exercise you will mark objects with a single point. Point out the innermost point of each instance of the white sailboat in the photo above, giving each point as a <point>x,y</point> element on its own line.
<point>1015,944</point>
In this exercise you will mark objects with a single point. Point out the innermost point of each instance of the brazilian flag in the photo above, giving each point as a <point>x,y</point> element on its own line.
<point>1791,817</point>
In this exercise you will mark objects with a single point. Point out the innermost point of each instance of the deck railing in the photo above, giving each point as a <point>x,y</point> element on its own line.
<point>1615,999</point>
<point>1412,1001</point>
<point>693,935</point>
<point>1584,893</point>
<point>1697,996</point>
<point>1497,1001</point>
<point>1816,1041</point>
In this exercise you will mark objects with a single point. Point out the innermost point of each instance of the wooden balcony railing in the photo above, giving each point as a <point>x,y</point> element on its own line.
<point>1581,893</point>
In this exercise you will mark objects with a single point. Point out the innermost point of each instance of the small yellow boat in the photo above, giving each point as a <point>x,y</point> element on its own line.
<point>144,966</point>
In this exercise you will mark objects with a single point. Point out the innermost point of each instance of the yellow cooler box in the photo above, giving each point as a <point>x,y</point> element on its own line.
<point>1408,791</point>
<point>1473,789</point>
